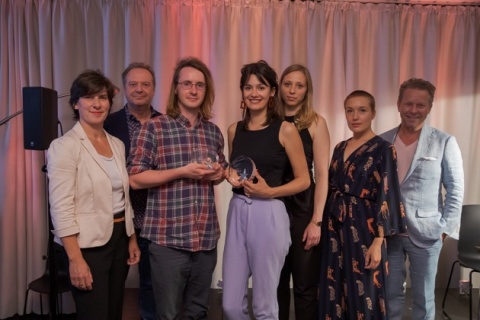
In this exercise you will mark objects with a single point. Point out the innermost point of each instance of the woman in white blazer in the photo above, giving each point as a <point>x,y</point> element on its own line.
<point>89,203</point>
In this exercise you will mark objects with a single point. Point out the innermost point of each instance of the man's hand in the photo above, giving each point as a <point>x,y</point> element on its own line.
<point>217,175</point>
<point>198,171</point>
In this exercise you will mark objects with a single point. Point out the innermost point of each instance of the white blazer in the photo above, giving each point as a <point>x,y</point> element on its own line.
<point>80,190</point>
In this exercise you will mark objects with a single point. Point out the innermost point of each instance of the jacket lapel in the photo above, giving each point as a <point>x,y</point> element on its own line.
<point>427,136</point>
<point>89,146</point>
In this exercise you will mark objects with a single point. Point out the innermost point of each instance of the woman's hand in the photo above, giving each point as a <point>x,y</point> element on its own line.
<point>260,189</point>
<point>374,254</point>
<point>80,274</point>
<point>234,181</point>
<point>311,236</point>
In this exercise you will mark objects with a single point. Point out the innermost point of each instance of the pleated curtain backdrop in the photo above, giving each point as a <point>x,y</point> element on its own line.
<point>347,45</point>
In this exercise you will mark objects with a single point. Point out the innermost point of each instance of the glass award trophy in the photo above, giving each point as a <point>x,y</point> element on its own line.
<point>242,168</point>
<point>204,156</point>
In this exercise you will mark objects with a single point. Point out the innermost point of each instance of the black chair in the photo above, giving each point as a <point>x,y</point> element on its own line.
<point>468,250</point>
<point>42,284</point>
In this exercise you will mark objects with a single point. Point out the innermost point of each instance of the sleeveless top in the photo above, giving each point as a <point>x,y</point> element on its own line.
<point>302,204</point>
<point>264,148</point>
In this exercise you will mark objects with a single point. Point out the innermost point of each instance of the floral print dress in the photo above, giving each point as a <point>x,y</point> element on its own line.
<point>363,203</point>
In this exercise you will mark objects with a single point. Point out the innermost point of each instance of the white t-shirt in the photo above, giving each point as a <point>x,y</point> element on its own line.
<point>117,184</point>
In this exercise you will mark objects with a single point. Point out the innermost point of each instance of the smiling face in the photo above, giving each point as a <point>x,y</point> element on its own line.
<point>359,115</point>
<point>414,108</point>
<point>93,109</point>
<point>190,98</point>
<point>256,94</point>
<point>293,89</point>
<point>139,88</point>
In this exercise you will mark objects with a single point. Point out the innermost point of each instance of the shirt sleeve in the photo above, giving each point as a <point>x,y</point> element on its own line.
<point>453,182</point>
<point>143,152</point>
<point>62,164</point>
<point>390,212</point>
<point>220,149</point>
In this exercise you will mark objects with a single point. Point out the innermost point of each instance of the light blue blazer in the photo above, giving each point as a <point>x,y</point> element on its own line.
<point>80,190</point>
<point>437,163</point>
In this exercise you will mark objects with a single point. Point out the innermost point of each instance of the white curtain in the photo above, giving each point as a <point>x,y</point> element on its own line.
<point>346,46</point>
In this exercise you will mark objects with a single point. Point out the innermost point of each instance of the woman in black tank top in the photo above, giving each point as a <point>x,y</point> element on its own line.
<point>258,234</point>
<point>305,208</point>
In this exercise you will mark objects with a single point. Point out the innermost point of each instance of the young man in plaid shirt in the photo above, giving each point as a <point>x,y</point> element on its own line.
<point>180,218</point>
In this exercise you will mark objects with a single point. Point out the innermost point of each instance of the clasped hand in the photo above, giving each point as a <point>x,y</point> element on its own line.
<point>200,171</point>
<point>259,189</point>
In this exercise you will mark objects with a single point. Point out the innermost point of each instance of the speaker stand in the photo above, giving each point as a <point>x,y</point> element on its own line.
<point>52,297</point>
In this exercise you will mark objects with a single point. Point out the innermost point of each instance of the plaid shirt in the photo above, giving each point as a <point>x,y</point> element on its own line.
<point>138,198</point>
<point>181,213</point>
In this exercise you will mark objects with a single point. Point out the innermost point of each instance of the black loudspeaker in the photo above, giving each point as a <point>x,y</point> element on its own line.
<point>40,117</point>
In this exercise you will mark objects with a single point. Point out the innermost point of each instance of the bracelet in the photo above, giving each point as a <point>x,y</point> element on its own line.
<point>318,224</point>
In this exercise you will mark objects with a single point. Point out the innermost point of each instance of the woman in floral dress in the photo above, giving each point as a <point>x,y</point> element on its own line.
<point>362,208</point>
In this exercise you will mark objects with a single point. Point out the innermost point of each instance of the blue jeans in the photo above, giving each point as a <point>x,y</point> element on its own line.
<point>146,300</point>
<point>423,269</point>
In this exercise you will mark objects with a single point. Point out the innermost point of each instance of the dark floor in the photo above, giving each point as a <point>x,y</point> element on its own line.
<point>456,306</point>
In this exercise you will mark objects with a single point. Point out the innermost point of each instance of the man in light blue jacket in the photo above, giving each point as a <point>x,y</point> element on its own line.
<point>431,179</point>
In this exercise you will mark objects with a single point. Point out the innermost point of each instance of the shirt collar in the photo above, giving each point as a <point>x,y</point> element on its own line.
<point>153,113</point>
<point>186,123</point>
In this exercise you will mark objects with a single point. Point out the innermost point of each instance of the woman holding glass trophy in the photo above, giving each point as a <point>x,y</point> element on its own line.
<point>262,146</point>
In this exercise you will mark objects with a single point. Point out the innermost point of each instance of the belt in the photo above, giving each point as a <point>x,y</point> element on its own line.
<point>119,217</point>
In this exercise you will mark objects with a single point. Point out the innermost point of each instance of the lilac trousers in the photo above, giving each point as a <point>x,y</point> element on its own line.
<point>257,242</point>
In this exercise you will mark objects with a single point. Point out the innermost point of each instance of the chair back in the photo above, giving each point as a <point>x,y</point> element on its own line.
<point>61,263</point>
<point>469,237</point>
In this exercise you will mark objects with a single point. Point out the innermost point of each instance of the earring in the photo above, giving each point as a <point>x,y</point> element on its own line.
<point>270,104</point>
<point>242,105</point>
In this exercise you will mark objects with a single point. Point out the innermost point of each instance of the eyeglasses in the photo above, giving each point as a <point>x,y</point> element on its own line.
<point>144,85</point>
<point>187,85</point>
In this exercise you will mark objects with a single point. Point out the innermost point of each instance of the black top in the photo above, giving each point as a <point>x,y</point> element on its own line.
<point>302,204</point>
<point>264,148</point>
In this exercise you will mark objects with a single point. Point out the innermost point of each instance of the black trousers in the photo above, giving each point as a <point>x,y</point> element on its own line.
<point>304,267</point>
<point>108,265</point>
